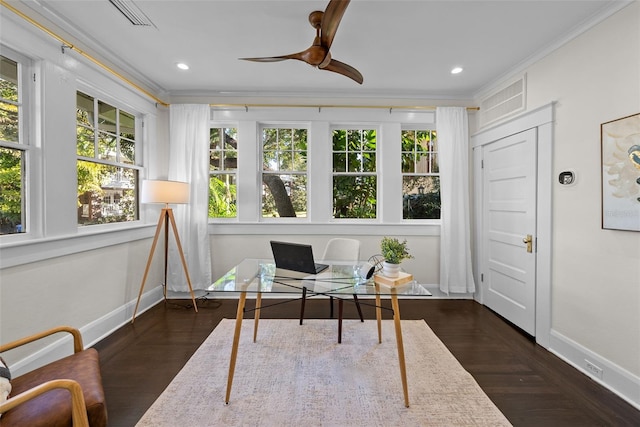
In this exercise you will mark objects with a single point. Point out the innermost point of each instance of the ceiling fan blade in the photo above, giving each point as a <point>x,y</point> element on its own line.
<point>330,21</point>
<point>345,70</point>
<point>297,56</point>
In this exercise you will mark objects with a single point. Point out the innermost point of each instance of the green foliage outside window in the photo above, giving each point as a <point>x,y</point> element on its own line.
<point>223,164</point>
<point>11,159</point>
<point>355,182</point>
<point>10,191</point>
<point>106,190</point>
<point>421,180</point>
<point>284,172</point>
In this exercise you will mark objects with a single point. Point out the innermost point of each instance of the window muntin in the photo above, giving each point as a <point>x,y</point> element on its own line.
<point>13,150</point>
<point>284,172</point>
<point>106,148</point>
<point>355,179</point>
<point>223,167</point>
<point>420,175</point>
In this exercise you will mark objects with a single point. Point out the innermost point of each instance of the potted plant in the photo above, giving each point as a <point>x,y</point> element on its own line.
<point>394,252</point>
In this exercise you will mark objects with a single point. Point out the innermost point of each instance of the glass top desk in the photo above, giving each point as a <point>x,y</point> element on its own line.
<point>341,281</point>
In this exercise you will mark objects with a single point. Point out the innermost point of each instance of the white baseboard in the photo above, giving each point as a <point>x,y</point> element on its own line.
<point>620,381</point>
<point>91,333</point>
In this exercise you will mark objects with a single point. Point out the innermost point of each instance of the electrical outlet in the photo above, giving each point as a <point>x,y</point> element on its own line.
<point>593,369</point>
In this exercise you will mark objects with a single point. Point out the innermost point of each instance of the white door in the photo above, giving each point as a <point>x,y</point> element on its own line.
<point>509,237</point>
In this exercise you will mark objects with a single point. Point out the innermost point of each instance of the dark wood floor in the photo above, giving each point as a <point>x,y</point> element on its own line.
<point>531,386</point>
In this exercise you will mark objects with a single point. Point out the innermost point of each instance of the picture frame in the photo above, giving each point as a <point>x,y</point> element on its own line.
<point>620,154</point>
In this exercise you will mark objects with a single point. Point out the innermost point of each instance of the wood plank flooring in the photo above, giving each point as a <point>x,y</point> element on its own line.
<point>531,386</point>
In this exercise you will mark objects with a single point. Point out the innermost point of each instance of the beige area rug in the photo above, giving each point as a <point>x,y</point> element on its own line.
<point>300,376</point>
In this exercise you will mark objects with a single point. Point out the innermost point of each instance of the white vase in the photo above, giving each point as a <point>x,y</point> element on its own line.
<point>390,270</point>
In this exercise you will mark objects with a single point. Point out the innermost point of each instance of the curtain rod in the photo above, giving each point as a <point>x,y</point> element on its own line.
<point>320,106</point>
<point>67,45</point>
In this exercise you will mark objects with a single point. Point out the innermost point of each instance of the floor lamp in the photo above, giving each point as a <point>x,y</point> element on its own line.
<point>165,192</point>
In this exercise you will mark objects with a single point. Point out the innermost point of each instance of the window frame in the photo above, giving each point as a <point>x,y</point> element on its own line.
<point>233,172</point>
<point>376,174</point>
<point>320,123</point>
<point>136,165</point>
<point>419,127</point>
<point>26,145</point>
<point>291,126</point>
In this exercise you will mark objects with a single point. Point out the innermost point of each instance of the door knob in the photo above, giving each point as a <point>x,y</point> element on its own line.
<point>529,241</point>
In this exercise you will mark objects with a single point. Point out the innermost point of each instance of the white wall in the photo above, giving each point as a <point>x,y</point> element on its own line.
<point>595,309</point>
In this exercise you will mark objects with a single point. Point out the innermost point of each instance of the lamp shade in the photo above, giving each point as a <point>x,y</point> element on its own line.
<point>155,191</point>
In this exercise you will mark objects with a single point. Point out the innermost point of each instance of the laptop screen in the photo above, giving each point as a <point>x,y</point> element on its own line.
<point>295,257</point>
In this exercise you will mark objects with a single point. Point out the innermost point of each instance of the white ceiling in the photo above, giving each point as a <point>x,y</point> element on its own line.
<point>402,48</point>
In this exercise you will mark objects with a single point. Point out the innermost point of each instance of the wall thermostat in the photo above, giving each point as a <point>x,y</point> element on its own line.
<point>567,177</point>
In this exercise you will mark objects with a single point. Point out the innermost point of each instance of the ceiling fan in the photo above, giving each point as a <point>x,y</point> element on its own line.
<point>318,55</point>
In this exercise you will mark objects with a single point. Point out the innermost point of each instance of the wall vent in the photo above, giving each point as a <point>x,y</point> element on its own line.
<point>132,12</point>
<point>503,103</point>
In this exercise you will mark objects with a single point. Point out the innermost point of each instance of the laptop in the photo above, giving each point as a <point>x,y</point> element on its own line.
<point>295,257</point>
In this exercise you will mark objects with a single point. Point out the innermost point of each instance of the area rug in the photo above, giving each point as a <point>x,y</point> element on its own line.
<point>300,376</point>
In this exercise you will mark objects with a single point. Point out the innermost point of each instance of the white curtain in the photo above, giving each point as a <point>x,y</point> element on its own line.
<point>189,162</point>
<point>456,275</point>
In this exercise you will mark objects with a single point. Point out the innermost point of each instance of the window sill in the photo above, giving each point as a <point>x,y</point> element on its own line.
<point>27,250</point>
<point>352,229</point>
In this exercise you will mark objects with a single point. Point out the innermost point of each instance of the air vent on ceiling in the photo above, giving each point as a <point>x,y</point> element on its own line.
<point>132,12</point>
<point>503,103</point>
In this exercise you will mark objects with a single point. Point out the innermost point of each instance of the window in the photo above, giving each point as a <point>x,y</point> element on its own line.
<point>354,173</point>
<point>13,148</point>
<point>284,172</point>
<point>223,166</point>
<point>107,172</point>
<point>420,175</point>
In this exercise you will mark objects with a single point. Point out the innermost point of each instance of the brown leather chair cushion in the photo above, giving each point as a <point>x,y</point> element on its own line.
<point>53,409</point>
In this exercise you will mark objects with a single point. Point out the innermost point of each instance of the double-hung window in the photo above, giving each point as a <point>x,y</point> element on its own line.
<point>107,167</point>
<point>420,175</point>
<point>223,167</point>
<point>14,144</point>
<point>284,172</point>
<point>355,177</point>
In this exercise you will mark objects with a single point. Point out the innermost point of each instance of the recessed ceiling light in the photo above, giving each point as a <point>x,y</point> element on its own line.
<point>182,66</point>
<point>456,70</point>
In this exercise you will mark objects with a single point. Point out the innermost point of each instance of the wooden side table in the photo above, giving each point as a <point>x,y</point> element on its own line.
<point>392,283</point>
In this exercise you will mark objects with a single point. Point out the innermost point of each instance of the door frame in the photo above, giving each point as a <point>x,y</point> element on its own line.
<point>542,119</point>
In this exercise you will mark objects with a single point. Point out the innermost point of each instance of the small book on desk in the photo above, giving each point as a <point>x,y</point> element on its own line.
<point>393,281</point>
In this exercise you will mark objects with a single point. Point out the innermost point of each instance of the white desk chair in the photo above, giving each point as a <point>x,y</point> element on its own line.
<point>340,249</point>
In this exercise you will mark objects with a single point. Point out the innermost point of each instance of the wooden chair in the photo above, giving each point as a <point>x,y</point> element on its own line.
<point>64,392</point>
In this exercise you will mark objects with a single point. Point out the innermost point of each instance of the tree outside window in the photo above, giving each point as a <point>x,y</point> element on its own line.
<point>420,175</point>
<point>284,172</point>
<point>106,150</point>
<point>12,149</point>
<point>354,173</point>
<point>223,166</point>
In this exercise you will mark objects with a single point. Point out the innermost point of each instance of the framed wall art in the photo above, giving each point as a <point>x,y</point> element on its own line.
<point>620,140</point>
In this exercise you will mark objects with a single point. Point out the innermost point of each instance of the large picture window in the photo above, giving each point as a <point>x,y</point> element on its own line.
<point>223,166</point>
<point>284,172</point>
<point>354,173</point>
<point>420,175</point>
<point>13,148</point>
<point>106,150</point>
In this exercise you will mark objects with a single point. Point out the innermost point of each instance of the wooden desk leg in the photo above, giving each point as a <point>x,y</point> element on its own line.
<point>257,315</point>
<point>403,368</point>
<point>236,341</point>
<point>378,313</point>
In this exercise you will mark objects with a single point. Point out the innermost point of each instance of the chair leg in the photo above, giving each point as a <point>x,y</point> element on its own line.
<point>330,307</point>
<point>340,306</point>
<point>355,300</point>
<point>304,299</point>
